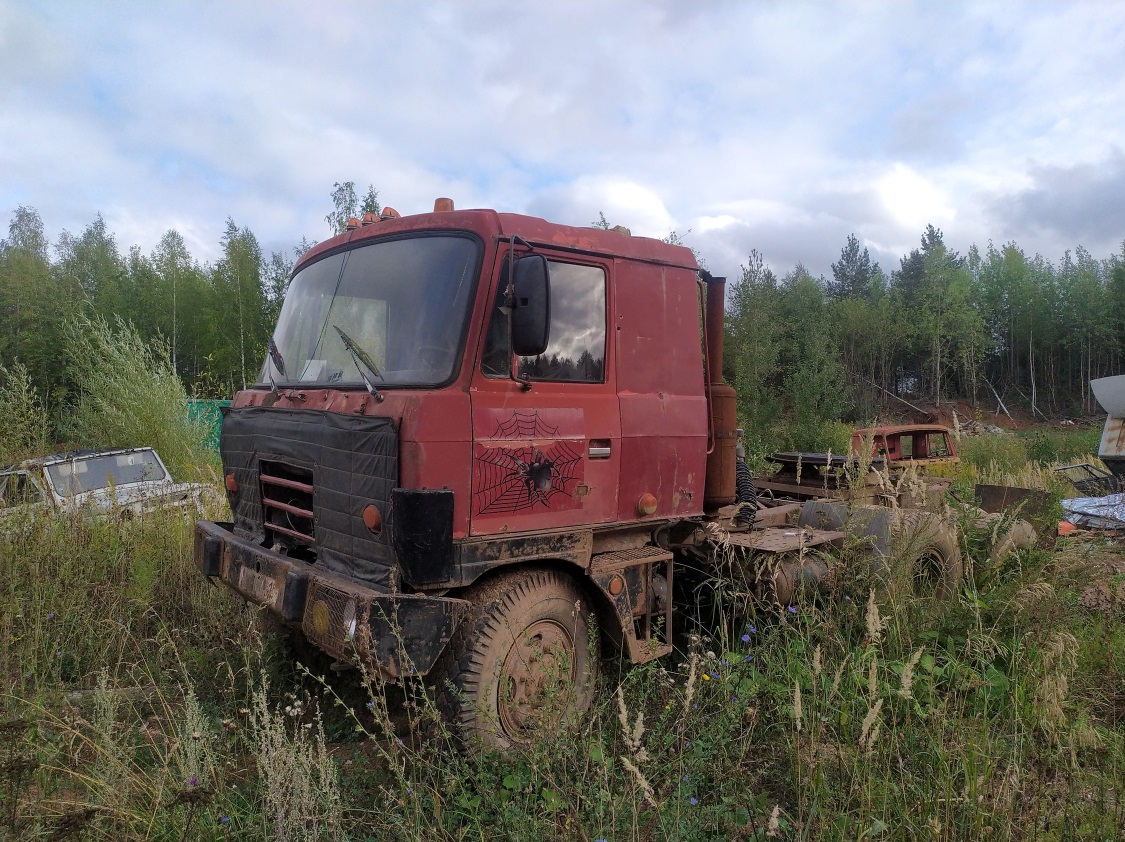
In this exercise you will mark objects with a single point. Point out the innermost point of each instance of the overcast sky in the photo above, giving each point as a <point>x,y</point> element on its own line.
<point>781,127</point>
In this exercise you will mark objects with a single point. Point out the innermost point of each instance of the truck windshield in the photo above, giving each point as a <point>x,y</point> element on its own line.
<point>395,309</point>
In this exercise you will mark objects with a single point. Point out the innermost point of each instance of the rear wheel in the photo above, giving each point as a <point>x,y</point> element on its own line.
<point>525,657</point>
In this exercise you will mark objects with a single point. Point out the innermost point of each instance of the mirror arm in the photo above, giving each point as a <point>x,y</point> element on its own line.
<point>510,298</point>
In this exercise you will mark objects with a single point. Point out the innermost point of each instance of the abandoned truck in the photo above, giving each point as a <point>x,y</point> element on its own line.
<point>480,441</point>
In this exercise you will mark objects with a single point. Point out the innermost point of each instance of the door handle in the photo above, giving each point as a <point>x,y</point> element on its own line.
<point>600,449</point>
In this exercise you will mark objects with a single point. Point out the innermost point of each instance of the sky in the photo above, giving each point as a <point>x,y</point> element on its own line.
<point>780,127</point>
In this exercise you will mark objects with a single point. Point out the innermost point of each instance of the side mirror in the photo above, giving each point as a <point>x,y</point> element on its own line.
<point>531,309</point>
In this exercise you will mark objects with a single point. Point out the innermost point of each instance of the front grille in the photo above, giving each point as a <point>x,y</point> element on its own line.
<point>287,502</point>
<point>305,477</point>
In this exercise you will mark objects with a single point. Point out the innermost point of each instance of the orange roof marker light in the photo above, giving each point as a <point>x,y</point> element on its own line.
<point>389,213</point>
<point>443,205</point>
<point>370,218</point>
<point>353,223</point>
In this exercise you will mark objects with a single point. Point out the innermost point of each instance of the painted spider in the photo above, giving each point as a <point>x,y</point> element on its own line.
<point>537,475</point>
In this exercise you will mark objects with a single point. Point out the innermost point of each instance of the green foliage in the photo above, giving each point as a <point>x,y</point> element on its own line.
<point>1002,451</point>
<point>128,396</point>
<point>1058,446</point>
<point>23,422</point>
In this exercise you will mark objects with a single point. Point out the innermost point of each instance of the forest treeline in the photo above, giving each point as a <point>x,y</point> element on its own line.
<point>991,327</point>
<point>802,352</point>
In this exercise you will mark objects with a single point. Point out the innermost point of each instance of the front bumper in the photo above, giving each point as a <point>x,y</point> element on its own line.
<point>397,634</point>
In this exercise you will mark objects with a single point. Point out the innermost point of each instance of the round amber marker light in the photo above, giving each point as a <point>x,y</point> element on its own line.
<point>372,519</point>
<point>616,584</point>
<point>231,483</point>
<point>646,504</point>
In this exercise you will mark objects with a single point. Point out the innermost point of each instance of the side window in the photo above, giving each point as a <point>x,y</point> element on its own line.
<point>938,445</point>
<point>576,348</point>
<point>17,489</point>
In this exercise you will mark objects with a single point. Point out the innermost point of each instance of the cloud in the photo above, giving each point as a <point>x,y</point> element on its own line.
<point>776,126</point>
<point>1082,204</point>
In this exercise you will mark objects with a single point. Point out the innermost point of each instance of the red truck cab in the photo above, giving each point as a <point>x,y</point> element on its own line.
<point>452,395</point>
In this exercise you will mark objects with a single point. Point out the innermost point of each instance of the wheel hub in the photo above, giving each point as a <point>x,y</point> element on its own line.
<point>537,675</point>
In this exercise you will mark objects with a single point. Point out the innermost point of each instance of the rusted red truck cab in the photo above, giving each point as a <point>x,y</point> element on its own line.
<point>398,447</point>
<point>922,444</point>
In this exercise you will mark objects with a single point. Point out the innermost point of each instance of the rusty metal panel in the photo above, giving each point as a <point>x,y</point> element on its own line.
<point>621,559</point>
<point>1000,498</point>
<point>785,540</point>
<point>1113,438</point>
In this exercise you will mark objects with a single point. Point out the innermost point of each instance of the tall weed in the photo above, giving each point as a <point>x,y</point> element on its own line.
<point>129,396</point>
<point>23,420</point>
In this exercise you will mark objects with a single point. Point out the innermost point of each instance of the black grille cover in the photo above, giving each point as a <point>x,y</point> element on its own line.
<point>354,462</point>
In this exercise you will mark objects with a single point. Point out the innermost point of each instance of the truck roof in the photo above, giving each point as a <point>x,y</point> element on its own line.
<point>70,455</point>
<point>901,429</point>
<point>489,224</point>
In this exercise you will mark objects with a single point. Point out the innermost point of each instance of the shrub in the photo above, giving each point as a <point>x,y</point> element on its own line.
<point>129,396</point>
<point>23,422</point>
<point>995,451</point>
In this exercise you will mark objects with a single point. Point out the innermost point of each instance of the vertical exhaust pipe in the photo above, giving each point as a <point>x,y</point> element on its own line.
<point>719,486</point>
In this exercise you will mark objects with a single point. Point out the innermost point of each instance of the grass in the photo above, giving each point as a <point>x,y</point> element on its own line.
<point>137,701</point>
<point>142,703</point>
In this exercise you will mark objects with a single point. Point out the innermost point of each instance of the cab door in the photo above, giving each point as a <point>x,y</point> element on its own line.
<point>547,456</point>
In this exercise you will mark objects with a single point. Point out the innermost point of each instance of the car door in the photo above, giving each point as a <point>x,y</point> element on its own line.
<point>547,456</point>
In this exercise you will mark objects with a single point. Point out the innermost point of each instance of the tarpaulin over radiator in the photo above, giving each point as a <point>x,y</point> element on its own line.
<point>353,461</point>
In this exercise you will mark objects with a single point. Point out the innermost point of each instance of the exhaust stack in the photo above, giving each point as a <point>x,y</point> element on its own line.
<point>719,487</point>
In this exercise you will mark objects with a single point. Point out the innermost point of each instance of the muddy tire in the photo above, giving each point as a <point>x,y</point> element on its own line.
<point>1006,537</point>
<point>923,542</point>
<point>523,658</point>
<point>929,547</point>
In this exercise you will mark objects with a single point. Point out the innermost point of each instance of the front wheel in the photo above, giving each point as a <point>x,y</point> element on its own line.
<point>524,658</point>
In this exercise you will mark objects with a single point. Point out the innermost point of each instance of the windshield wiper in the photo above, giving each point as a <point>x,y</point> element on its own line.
<point>278,363</point>
<point>361,358</point>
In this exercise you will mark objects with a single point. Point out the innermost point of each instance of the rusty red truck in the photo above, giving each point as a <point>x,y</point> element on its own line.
<point>480,441</point>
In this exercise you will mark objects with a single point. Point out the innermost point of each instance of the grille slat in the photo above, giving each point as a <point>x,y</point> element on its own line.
<point>287,483</point>
<point>286,507</point>
<point>287,501</point>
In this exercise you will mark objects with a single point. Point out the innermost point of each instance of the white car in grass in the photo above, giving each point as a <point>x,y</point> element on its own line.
<point>125,482</point>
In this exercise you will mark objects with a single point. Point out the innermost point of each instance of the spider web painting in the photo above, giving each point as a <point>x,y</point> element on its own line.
<point>521,478</point>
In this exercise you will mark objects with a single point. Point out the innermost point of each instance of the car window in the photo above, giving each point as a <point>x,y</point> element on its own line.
<point>576,347</point>
<point>83,474</point>
<point>17,489</point>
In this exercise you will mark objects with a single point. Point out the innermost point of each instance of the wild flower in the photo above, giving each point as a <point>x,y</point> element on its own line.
<point>689,689</point>
<point>869,731</point>
<point>797,716</point>
<point>773,827</point>
<point>693,801</point>
<point>792,609</point>
<point>746,638</point>
<point>908,674</point>
<point>874,623</point>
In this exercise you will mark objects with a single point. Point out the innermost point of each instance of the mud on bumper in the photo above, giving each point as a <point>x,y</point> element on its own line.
<point>397,634</point>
